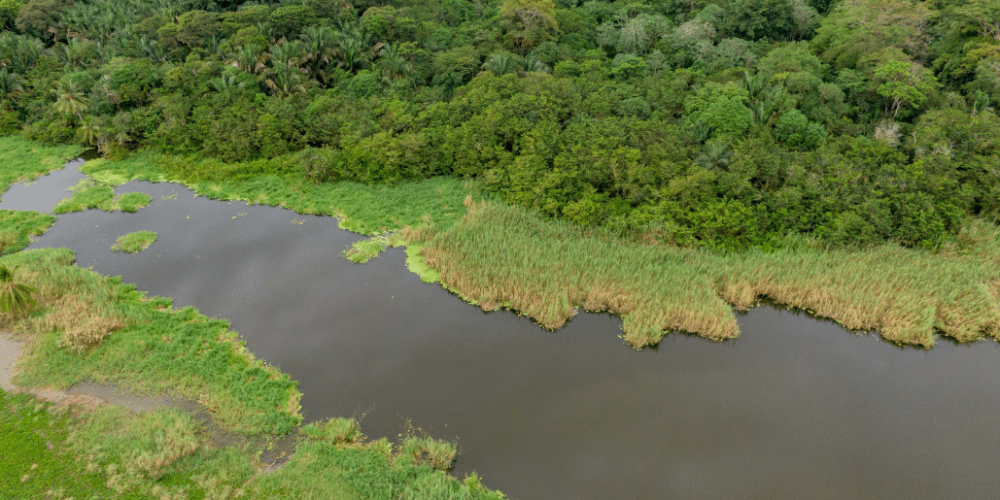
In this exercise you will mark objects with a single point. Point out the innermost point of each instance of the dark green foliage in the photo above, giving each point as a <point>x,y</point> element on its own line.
<point>592,111</point>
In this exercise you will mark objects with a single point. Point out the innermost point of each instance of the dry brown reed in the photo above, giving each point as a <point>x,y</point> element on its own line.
<point>503,256</point>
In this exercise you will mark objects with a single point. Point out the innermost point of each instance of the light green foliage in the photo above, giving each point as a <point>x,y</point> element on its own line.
<point>35,465</point>
<point>374,470</point>
<point>134,242</point>
<point>722,108</point>
<point>507,256</point>
<point>88,194</point>
<point>361,208</point>
<point>16,227</point>
<point>362,251</point>
<point>794,129</point>
<point>179,352</point>
<point>24,160</point>
<point>16,298</point>
<point>905,82</point>
<point>856,29</point>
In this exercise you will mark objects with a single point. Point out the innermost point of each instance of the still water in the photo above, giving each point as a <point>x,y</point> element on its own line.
<point>793,408</point>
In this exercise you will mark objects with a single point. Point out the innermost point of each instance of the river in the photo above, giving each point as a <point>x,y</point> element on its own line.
<point>794,408</point>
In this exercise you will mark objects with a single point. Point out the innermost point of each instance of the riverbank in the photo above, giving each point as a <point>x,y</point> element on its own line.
<point>495,255</point>
<point>86,327</point>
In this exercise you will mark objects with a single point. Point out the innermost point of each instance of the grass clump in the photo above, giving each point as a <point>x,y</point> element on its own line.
<point>163,453</point>
<point>505,256</point>
<point>361,208</point>
<point>87,327</point>
<point>362,251</point>
<point>35,465</point>
<point>327,464</point>
<point>16,228</point>
<point>134,242</point>
<point>25,160</point>
<point>87,195</point>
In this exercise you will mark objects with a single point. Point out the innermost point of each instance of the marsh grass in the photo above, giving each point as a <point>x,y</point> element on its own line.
<point>87,327</point>
<point>362,251</point>
<point>32,443</point>
<point>504,256</point>
<point>134,242</point>
<point>17,227</point>
<point>87,194</point>
<point>361,208</point>
<point>25,160</point>
<point>328,465</point>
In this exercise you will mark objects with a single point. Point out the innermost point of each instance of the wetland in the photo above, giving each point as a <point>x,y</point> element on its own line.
<point>793,407</point>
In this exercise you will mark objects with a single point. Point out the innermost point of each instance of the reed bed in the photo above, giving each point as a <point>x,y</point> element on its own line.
<point>505,256</point>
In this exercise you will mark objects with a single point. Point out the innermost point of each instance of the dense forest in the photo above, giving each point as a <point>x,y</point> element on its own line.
<point>724,124</point>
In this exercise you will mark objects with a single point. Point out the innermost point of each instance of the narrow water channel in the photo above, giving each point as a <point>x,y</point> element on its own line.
<point>794,408</point>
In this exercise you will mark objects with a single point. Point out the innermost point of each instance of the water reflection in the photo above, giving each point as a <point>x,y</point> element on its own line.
<point>794,408</point>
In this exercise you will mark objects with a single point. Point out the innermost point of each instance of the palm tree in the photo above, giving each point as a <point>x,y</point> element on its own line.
<point>225,84</point>
<point>15,297</point>
<point>716,155</point>
<point>90,128</point>
<point>393,65</point>
<point>500,64</point>
<point>69,100</point>
<point>10,83</point>
<point>532,64</point>
<point>249,59</point>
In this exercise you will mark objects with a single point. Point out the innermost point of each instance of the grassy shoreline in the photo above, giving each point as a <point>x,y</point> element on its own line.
<point>87,327</point>
<point>496,255</point>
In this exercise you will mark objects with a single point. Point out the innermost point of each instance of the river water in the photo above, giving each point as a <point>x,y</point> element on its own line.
<point>793,408</point>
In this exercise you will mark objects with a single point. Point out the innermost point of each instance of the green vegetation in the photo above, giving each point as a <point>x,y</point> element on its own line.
<point>362,251</point>
<point>86,327</point>
<point>31,439</point>
<point>726,124</point>
<point>360,207</point>
<point>16,227</point>
<point>83,326</point>
<point>505,256</point>
<point>107,452</point>
<point>134,242</point>
<point>88,194</point>
<point>26,160</point>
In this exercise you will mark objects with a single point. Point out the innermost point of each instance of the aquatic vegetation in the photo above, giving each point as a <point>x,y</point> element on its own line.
<point>343,468</point>
<point>88,327</point>
<point>25,160</point>
<point>134,242</point>
<point>506,256</point>
<point>362,251</point>
<point>88,194</point>
<point>16,228</point>
<point>361,208</point>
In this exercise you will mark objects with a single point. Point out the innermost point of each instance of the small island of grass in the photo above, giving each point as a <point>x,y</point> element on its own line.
<point>134,242</point>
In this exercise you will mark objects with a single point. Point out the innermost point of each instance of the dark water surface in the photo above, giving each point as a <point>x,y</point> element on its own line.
<point>794,408</point>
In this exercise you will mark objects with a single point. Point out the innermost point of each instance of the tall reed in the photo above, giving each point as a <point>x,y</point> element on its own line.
<point>506,256</point>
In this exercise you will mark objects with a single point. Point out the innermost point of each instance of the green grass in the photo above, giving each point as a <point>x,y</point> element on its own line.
<point>88,194</point>
<point>25,160</point>
<point>327,464</point>
<point>16,228</point>
<point>504,256</point>
<point>362,251</point>
<point>360,208</point>
<point>33,441</point>
<point>87,327</point>
<point>134,242</point>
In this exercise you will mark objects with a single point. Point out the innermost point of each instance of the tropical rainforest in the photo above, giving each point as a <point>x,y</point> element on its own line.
<point>726,124</point>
